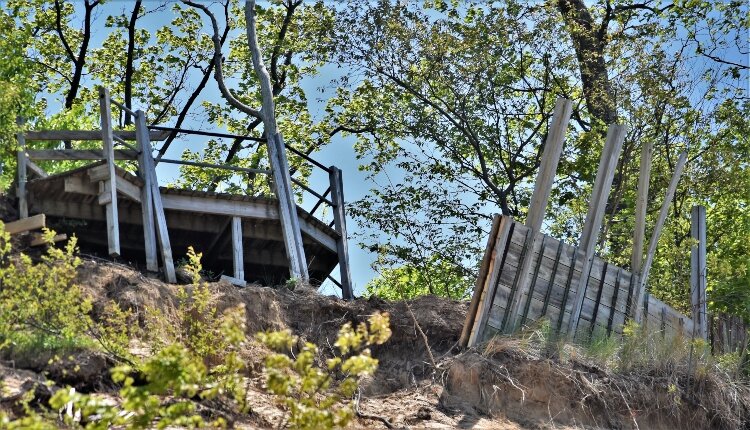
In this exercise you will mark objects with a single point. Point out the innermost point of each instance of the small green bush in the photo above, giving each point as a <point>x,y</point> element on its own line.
<point>40,305</point>
<point>310,391</point>
<point>196,354</point>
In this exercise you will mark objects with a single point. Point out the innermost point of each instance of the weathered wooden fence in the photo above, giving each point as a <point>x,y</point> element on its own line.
<point>727,333</point>
<point>555,275</point>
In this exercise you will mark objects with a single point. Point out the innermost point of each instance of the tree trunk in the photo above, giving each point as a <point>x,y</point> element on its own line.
<point>589,42</point>
<point>129,62</point>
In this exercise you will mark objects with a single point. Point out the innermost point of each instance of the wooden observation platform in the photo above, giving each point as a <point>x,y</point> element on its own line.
<point>126,213</point>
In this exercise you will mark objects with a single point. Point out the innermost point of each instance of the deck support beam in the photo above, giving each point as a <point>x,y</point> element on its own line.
<point>339,221</point>
<point>110,187</point>
<point>149,175</point>
<point>23,204</point>
<point>698,272</point>
<point>597,204</point>
<point>238,260</point>
<point>287,208</point>
<point>147,203</point>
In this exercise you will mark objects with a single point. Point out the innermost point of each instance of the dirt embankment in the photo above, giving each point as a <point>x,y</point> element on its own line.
<point>503,387</point>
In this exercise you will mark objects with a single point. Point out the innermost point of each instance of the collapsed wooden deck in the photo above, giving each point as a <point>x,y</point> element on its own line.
<point>126,214</point>
<point>72,204</point>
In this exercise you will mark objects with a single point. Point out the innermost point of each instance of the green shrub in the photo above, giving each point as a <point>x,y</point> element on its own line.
<point>40,305</point>
<point>310,392</point>
<point>196,355</point>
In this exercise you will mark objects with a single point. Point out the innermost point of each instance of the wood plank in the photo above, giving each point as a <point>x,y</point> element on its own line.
<point>479,284</point>
<point>234,281</point>
<point>25,224</point>
<point>105,193</point>
<point>339,221</point>
<point>548,166</point>
<point>614,305</point>
<point>98,173</point>
<point>110,187</point>
<point>641,204</point>
<point>238,261</point>
<point>600,290</point>
<point>679,167</point>
<point>89,135</point>
<point>597,203</point>
<point>77,185</point>
<point>538,206</point>
<point>289,218</point>
<point>515,296</point>
<point>35,169</point>
<point>488,290</point>
<point>79,154</point>
<point>569,283</point>
<point>39,240</point>
<point>244,209</point>
<point>128,189</point>
<point>528,295</point>
<point>21,158</point>
<point>149,171</point>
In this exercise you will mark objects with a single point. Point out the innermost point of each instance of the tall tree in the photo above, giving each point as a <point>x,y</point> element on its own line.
<point>451,103</point>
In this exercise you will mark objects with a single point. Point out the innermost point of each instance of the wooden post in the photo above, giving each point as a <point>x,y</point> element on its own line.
<point>294,217</point>
<point>657,232</point>
<point>237,258</point>
<point>484,304</point>
<point>147,202</point>
<point>339,222</point>
<point>277,155</point>
<point>538,207</point>
<point>641,203</point>
<point>149,170</point>
<point>698,271</point>
<point>23,204</point>
<point>287,209</point>
<point>484,269</point>
<point>110,188</point>
<point>597,204</point>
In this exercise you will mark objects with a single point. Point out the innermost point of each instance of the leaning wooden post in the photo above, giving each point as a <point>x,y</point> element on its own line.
<point>339,222</point>
<point>289,201</point>
<point>277,156</point>
<point>238,260</point>
<point>491,268</point>
<point>538,207</point>
<point>641,203</point>
<point>597,204</point>
<point>643,279</point>
<point>23,204</point>
<point>149,171</point>
<point>147,203</point>
<point>698,271</point>
<point>110,185</point>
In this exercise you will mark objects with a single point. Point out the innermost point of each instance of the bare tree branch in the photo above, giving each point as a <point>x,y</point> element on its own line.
<point>194,96</point>
<point>129,61</point>
<point>218,69</point>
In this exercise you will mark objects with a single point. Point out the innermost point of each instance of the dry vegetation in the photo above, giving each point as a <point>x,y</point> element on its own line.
<point>526,381</point>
